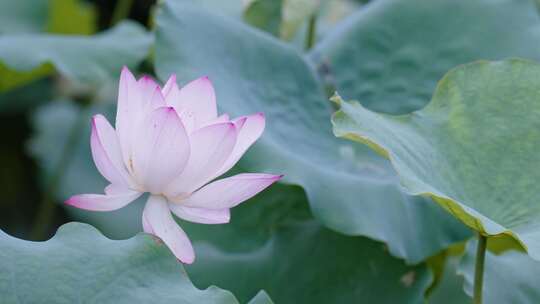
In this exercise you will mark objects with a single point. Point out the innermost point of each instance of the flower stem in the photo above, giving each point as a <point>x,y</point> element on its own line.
<point>311,32</point>
<point>479,269</point>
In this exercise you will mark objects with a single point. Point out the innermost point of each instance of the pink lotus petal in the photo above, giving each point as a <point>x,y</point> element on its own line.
<point>100,202</point>
<point>147,85</point>
<point>221,119</point>
<point>172,96</point>
<point>106,152</point>
<point>210,147</point>
<point>196,99</point>
<point>251,128</point>
<point>113,189</point>
<point>230,191</point>
<point>150,95</point>
<point>129,106</point>
<point>161,223</point>
<point>146,225</point>
<point>239,122</point>
<point>201,215</point>
<point>171,82</point>
<point>161,150</point>
<point>188,120</point>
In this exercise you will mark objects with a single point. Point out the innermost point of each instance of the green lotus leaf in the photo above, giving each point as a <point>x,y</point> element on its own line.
<point>23,16</point>
<point>89,59</point>
<point>80,265</point>
<point>473,148</point>
<point>261,298</point>
<point>391,53</point>
<point>273,242</point>
<point>350,189</point>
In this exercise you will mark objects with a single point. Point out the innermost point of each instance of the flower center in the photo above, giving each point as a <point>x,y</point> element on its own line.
<point>178,198</point>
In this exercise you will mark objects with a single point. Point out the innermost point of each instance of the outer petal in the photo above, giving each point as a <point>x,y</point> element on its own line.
<point>230,191</point>
<point>100,202</point>
<point>147,85</point>
<point>129,106</point>
<point>161,223</point>
<point>251,128</point>
<point>201,215</point>
<point>161,150</point>
<point>196,99</point>
<point>106,152</point>
<point>150,95</point>
<point>210,147</point>
<point>221,119</point>
<point>113,189</point>
<point>169,85</point>
<point>146,225</point>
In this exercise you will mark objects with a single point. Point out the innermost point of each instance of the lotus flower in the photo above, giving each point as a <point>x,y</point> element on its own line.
<point>171,143</point>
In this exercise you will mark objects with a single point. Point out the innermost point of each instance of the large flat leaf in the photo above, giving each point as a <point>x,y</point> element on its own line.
<point>474,148</point>
<point>350,189</point>
<point>23,16</point>
<point>81,265</point>
<point>275,244</point>
<point>92,59</point>
<point>391,53</point>
<point>261,298</point>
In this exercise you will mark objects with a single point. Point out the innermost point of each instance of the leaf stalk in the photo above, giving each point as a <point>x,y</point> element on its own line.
<point>479,268</point>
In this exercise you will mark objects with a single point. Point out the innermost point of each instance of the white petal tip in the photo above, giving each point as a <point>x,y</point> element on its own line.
<point>69,201</point>
<point>74,201</point>
<point>240,122</point>
<point>126,74</point>
<point>96,117</point>
<point>146,78</point>
<point>204,80</point>
<point>188,261</point>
